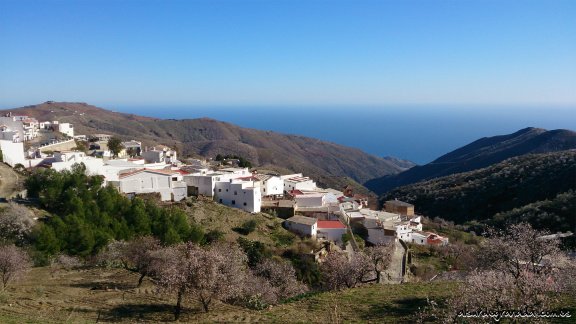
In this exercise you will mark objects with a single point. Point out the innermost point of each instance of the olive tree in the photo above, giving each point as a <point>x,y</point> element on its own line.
<point>115,145</point>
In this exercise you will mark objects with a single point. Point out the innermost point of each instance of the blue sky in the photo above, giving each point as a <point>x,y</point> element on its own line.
<point>288,52</point>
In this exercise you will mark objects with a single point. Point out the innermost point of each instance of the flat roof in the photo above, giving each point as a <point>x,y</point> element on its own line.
<point>303,220</point>
<point>399,203</point>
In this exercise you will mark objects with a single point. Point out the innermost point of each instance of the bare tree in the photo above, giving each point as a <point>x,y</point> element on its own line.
<point>216,272</point>
<point>339,271</point>
<point>64,261</point>
<point>16,222</point>
<point>380,256</point>
<point>14,262</point>
<point>136,255</point>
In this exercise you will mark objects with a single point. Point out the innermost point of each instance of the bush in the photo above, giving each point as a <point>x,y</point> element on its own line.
<point>246,228</point>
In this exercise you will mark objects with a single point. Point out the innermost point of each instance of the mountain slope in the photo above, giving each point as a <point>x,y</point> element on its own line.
<point>330,163</point>
<point>479,154</point>
<point>525,183</point>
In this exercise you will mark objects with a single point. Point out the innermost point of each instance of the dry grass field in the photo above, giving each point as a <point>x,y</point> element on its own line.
<point>109,295</point>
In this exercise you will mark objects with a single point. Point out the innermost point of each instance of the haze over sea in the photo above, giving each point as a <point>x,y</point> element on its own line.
<point>417,133</point>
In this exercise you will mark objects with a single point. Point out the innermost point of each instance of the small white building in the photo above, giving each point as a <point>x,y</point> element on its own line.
<point>331,230</point>
<point>203,182</point>
<point>239,194</point>
<point>99,137</point>
<point>156,156</point>
<point>167,183</point>
<point>299,183</point>
<point>12,152</point>
<point>66,129</point>
<point>64,160</point>
<point>310,200</point>
<point>271,185</point>
<point>132,146</point>
<point>302,225</point>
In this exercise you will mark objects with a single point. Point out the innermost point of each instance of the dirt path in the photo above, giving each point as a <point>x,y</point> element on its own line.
<point>8,181</point>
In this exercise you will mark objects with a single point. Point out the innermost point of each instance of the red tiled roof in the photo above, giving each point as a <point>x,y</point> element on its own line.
<point>330,224</point>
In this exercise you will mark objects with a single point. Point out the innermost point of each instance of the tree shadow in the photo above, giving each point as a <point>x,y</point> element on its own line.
<point>406,307</point>
<point>138,312</point>
<point>103,285</point>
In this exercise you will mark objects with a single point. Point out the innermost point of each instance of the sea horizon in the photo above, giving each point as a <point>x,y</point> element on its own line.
<point>418,133</point>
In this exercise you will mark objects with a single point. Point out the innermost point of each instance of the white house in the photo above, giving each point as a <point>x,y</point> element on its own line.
<point>302,225</point>
<point>31,128</point>
<point>12,152</point>
<point>299,183</point>
<point>331,230</point>
<point>310,200</point>
<point>204,181</point>
<point>99,137</point>
<point>240,194</point>
<point>165,155</point>
<point>14,127</point>
<point>271,185</point>
<point>64,160</point>
<point>66,129</point>
<point>134,146</point>
<point>166,182</point>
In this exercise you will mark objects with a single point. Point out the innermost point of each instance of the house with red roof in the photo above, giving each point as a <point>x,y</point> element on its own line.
<point>331,230</point>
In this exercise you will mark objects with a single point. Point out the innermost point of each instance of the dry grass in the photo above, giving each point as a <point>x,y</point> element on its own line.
<point>213,216</point>
<point>104,295</point>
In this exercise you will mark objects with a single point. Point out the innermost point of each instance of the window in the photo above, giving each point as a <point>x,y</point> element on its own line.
<point>226,190</point>
<point>235,193</point>
<point>233,202</point>
<point>174,178</point>
<point>244,204</point>
<point>220,200</point>
<point>219,190</point>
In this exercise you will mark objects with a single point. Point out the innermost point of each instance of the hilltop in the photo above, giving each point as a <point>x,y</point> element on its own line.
<point>480,154</point>
<point>537,188</point>
<point>331,164</point>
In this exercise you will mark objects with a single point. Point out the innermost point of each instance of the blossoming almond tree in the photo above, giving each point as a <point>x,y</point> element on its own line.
<point>14,263</point>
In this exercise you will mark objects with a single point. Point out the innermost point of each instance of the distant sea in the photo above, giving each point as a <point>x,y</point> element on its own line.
<point>417,133</point>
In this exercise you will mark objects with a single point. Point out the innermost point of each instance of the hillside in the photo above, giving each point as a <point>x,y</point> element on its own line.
<point>479,154</point>
<point>535,187</point>
<point>108,295</point>
<point>331,164</point>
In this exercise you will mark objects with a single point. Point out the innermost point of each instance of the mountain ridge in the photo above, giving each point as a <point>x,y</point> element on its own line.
<point>510,191</point>
<point>479,154</point>
<point>331,164</point>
